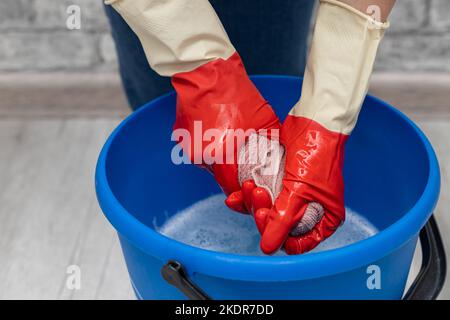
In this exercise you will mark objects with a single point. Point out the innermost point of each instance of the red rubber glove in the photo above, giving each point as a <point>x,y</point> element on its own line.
<point>313,173</point>
<point>249,198</point>
<point>185,40</point>
<point>220,96</point>
<point>340,62</point>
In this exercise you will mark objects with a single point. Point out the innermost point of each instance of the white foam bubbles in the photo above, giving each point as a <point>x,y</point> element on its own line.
<point>210,225</point>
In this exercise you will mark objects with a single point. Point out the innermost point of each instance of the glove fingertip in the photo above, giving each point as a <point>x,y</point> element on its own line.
<point>267,247</point>
<point>292,246</point>
<point>304,243</point>
<point>247,189</point>
<point>248,185</point>
<point>271,240</point>
<point>235,201</point>
<point>260,216</point>
<point>261,199</point>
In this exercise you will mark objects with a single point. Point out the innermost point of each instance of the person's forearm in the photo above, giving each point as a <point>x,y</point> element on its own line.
<point>339,65</point>
<point>383,7</point>
<point>176,35</point>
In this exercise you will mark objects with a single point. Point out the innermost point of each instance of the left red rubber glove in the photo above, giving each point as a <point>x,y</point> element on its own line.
<point>218,98</point>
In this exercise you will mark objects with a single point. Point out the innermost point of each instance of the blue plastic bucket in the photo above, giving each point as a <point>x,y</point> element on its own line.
<point>391,177</point>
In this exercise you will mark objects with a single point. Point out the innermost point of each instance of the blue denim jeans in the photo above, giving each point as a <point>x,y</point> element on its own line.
<point>270,36</point>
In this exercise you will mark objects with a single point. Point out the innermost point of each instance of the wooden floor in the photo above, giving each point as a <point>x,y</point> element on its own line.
<point>49,217</point>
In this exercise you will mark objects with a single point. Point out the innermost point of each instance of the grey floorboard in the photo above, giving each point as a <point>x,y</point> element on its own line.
<point>49,215</point>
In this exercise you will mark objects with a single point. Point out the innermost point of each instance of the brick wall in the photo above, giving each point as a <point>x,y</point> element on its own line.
<point>33,36</point>
<point>419,37</point>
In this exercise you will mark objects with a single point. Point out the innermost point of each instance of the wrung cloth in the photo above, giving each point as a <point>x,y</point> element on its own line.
<point>262,160</point>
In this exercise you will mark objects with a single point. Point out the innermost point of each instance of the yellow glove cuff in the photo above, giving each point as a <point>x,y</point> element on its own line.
<point>177,35</point>
<point>339,66</point>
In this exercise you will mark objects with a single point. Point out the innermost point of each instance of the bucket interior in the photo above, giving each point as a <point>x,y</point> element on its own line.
<point>386,164</point>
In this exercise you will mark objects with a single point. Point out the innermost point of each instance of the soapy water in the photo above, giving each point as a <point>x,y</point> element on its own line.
<point>209,224</point>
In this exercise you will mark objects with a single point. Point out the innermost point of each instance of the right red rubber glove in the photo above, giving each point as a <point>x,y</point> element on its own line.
<point>314,133</point>
<point>216,101</point>
<point>313,173</point>
<point>219,97</point>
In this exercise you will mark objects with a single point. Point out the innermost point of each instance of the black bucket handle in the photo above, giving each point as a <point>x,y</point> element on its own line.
<point>174,274</point>
<point>431,277</point>
<point>426,286</point>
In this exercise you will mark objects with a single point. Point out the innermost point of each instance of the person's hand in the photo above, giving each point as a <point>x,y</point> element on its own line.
<point>343,50</point>
<point>249,198</point>
<point>219,107</point>
<point>313,174</point>
<point>186,41</point>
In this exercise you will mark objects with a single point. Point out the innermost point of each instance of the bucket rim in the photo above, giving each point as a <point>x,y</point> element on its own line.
<point>261,268</point>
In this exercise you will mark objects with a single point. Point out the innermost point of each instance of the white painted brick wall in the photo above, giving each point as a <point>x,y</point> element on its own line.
<point>440,15</point>
<point>44,51</point>
<point>15,14</point>
<point>408,15</point>
<point>51,14</point>
<point>33,36</point>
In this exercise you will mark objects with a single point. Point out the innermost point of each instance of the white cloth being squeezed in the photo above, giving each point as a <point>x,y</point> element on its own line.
<point>262,160</point>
